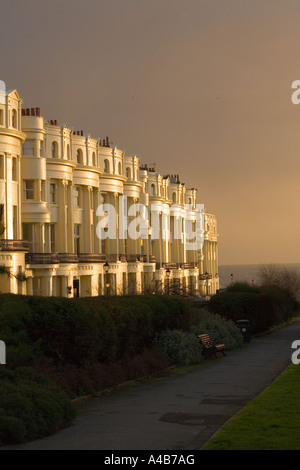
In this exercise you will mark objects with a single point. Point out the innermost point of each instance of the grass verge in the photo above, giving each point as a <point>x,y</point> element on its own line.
<point>269,422</point>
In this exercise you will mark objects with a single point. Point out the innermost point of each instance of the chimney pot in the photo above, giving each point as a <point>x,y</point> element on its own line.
<point>23,112</point>
<point>82,133</point>
<point>27,112</point>
<point>32,112</point>
<point>37,112</point>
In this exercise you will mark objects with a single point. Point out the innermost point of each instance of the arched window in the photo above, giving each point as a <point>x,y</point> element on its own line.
<point>54,149</point>
<point>79,156</point>
<point>119,168</point>
<point>190,200</point>
<point>153,191</point>
<point>14,119</point>
<point>68,152</point>
<point>174,197</point>
<point>128,173</point>
<point>106,166</point>
<point>94,159</point>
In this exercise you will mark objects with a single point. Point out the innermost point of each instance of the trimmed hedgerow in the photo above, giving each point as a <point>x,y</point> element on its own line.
<point>31,406</point>
<point>263,306</point>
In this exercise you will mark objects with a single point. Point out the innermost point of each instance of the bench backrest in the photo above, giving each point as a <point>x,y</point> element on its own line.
<point>205,340</point>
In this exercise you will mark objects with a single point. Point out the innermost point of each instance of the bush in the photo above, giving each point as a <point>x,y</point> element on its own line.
<point>263,306</point>
<point>31,406</point>
<point>182,348</point>
<point>219,329</point>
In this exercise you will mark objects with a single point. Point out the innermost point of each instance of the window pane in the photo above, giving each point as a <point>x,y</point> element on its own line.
<point>29,189</point>
<point>28,147</point>
<point>14,169</point>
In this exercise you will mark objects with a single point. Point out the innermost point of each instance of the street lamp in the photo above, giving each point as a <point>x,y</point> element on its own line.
<point>168,272</point>
<point>206,277</point>
<point>106,269</point>
<point>231,277</point>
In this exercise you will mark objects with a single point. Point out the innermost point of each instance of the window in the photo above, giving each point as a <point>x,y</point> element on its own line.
<point>2,167</point>
<point>1,117</point>
<point>43,190</point>
<point>29,234</point>
<point>94,159</point>
<point>106,166</point>
<point>14,119</point>
<point>190,200</point>
<point>77,238</point>
<point>14,169</point>
<point>174,197</point>
<point>68,152</point>
<point>77,198</point>
<point>54,149</point>
<point>153,191</point>
<point>52,238</point>
<point>28,186</point>
<point>79,156</point>
<point>119,168</point>
<point>15,222</point>
<point>52,193</point>
<point>28,147</point>
<point>2,227</point>
<point>128,173</point>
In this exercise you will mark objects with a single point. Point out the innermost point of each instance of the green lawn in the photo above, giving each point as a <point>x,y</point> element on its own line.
<point>269,422</point>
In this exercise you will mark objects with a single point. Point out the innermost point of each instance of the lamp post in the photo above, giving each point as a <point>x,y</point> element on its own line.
<point>168,272</point>
<point>231,277</point>
<point>106,269</point>
<point>206,277</point>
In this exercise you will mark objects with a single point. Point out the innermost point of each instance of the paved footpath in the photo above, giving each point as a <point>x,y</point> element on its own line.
<point>179,412</point>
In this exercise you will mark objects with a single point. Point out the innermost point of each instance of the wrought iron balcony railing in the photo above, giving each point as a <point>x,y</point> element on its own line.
<point>14,245</point>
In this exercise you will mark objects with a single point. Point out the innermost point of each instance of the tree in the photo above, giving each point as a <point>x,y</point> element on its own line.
<point>280,276</point>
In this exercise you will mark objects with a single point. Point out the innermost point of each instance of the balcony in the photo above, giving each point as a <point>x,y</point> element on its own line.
<point>91,258</point>
<point>67,258</point>
<point>144,258</point>
<point>134,258</point>
<point>41,258</point>
<point>205,277</point>
<point>14,245</point>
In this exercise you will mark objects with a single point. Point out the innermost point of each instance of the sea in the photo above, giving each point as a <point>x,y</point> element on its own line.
<point>247,272</point>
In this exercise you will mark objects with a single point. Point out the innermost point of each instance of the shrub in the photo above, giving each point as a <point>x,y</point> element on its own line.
<point>31,406</point>
<point>182,348</point>
<point>219,329</point>
<point>257,308</point>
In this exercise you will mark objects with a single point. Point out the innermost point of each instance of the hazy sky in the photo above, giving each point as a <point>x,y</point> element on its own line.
<point>200,87</point>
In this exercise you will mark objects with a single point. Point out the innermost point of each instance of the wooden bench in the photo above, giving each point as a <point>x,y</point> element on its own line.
<point>209,348</point>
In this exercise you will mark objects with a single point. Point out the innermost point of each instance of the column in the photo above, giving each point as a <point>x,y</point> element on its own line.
<point>62,239</point>
<point>70,219</point>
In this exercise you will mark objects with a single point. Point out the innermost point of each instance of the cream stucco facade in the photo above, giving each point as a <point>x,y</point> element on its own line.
<point>52,182</point>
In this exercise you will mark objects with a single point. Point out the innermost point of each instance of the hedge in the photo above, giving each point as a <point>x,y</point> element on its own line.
<point>31,406</point>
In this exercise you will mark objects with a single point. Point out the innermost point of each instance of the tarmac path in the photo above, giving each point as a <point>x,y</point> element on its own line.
<point>179,412</point>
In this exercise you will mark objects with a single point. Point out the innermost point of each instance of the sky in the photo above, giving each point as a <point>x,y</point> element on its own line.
<point>202,88</point>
